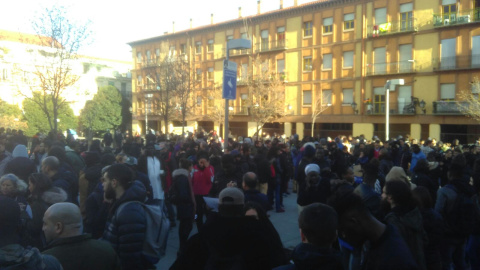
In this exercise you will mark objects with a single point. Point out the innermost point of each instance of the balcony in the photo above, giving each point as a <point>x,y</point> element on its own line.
<point>391,68</point>
<point>456,62</point>
<point>147,88</point>
<point>276,45</point>
<point>238,110</point>
<point>456,18</point>
<point>396,108</point>
<point>240,52</point>
<point>443,107</point>
<point>391,28</point>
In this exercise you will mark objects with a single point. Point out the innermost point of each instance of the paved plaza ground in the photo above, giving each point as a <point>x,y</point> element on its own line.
<point>285,223</point>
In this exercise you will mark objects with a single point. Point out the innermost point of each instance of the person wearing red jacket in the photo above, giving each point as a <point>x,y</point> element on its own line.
<point>202,181</point>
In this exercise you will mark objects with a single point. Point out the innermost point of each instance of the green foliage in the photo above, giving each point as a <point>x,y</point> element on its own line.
<point>104,111</point>
<point>37,120</point>
<point>7,109</point>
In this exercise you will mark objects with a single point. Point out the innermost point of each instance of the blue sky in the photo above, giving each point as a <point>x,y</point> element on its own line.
<point>115,23</point>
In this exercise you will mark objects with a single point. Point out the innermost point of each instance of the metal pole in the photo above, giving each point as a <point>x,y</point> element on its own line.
<point>146,114</point>
<point>387,113</point>
<point>225,126</point>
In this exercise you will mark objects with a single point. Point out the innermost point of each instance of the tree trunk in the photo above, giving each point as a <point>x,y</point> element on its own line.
<point>313,126</point>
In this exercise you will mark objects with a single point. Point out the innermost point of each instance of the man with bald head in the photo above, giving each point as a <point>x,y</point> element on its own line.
<point>249,185</point>
<point>63,229</point>
<point>51,166</point>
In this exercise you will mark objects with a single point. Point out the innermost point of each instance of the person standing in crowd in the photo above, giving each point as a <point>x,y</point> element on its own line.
<point>38,155</point>
<point>5,156</point>
<point>12,254</point>
<point>203,177</point>
<point>64,180</point>
<point>318,231</point>
<point>13,187</point>
<point>125,230</point>
<point>21,165</point>
<point>249,185</point>
<point>185,202</point>
<point>42,194</point>
<point>63,230</point>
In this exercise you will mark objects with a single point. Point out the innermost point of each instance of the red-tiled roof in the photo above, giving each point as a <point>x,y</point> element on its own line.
<point>24,38</point>
<point>232,21</point>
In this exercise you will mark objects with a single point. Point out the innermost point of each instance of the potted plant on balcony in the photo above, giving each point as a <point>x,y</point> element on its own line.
<point>368,105</point>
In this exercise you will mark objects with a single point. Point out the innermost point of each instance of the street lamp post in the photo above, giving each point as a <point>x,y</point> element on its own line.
<point>234,44</point>
<point>390,85</point>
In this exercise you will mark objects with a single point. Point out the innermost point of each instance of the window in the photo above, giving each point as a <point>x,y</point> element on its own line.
<point>448,54</point>
<point>139,80</point>
<point>264,40</point>
<point>327,61</point>
<point>123,88</point>
<point>379,100</point>
<point>199,74</point>
<point>281,66</point>
<point>307,63</point>
<point>404,97</point>
<point>183,49</point>
<point>347,96</point>
<point>406,63</point>
<point>210,74</point>
<point>449,8</point>
<point>229,37</point>
<point>327,97</point>
<point>328,25</point>
<point>199,100</point>
<point>244,35</point>
<point>380,16</point>
<point>307,98</point>
<point>244,72</point>
<point>139,57</point>
<point>476,51</point>
<point>157,54</point>
<point>348,21</point>
<point>447,91</point>
<point>281,33</point>
<point>149,56</point>
<point>348,59</point>
<point>210,45</point>
<point>307,29</point>
<point>5,74</point>
<point>406,17</point>
<point>379,55</point>
<point>211,101</point>
<point>171,50</point>
<point>198,47</point>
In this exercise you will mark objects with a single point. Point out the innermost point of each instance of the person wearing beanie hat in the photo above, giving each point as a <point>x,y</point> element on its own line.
<point>230,238</point>
<point>312,168</point>
<point>308,158</point>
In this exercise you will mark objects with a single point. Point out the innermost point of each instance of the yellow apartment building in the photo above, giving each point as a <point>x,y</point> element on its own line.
<point>339,51</point>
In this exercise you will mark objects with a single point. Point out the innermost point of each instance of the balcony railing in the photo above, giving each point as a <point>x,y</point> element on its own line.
<point>240,52</point>
<point>281,44</point>
<point>147,87</point>
<point>393,27</point>
<point>449,107</point>
<point>457,62</point>
<point>391,68</point>
<point>396,108</point>
<point>456,18</point>
<point>239,110</point>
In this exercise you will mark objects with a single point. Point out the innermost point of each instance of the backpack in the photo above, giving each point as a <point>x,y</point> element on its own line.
<point>157,228</point>
<point>464,216</point>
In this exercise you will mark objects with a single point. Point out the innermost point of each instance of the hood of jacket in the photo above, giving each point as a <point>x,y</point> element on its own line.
<point>308,256</point>
<point>12,256</point>
<point>20,151</point>
<point>136,192</point>
<point>54,195</point>
<point>178,172</point>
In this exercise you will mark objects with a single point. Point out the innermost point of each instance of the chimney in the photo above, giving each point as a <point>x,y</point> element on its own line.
<point>173,27</point>
<point>281,4</point>
<point>211,18</point>
<point>239,12</point>
<point>258,7</point>
<point>191,23</point>
<point>295,3</point>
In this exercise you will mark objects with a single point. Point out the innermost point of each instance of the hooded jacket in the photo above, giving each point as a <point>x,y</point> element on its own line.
<point>409,222</point>
<point>15,257</point>
<point>125,230</point>
<point>181,184</point>
<point>20,164</point>
<point>39,205</point>
<point>309,257</point>
<point>75,159</point>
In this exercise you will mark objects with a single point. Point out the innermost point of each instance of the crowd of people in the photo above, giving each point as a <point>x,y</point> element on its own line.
<point>362,204</point>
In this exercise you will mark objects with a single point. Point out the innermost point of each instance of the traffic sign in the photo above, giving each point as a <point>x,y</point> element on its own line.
<point>229,80</point>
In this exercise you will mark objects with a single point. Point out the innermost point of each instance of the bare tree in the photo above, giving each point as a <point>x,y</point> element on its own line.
<point>184,91</point>
<point>266,94</point>
<point>216,105</point>
<point>321,104</point>
<point>60,39</point>
<point>470,102</point>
